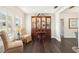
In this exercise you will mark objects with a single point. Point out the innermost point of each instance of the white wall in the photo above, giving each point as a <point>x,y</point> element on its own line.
<point>57,27</point>
<point>78,32</point>
<point>28,24</point>
<point>68,33</point>
<point>15,11</point>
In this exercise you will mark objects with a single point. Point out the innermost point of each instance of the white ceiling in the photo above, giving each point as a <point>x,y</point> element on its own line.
<point>39,9</point>
<point>47,9</point>
<point>73,10</point>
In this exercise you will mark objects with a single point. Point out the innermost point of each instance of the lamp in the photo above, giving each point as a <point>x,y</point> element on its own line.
<point>18,30</point>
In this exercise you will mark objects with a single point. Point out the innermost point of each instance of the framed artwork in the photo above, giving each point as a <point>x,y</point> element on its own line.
<point>73,23</point>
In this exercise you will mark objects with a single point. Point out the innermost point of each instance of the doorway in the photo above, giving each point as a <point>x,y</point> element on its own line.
<point>62,28</point>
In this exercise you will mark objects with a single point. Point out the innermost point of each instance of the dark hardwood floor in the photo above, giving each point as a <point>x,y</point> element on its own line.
<point>50,46</point>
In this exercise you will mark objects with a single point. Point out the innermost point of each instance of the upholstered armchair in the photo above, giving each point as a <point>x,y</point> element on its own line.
<point>11,46</point>
<point>26,37</point>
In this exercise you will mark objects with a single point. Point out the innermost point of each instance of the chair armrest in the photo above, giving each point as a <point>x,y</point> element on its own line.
<point>14,44</point>
<point>27,35</point>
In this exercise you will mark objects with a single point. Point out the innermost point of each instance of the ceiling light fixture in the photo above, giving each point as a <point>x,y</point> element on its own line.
<point>71,7</point>
<point>56,7</point>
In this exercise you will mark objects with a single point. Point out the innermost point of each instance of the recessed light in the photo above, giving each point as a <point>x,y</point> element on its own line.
<point>45,10</point>
<point>33,9</point>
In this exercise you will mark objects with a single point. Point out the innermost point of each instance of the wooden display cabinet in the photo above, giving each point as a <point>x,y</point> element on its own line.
<point>41,27</point>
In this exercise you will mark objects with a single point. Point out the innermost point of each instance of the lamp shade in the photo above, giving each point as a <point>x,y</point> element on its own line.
<point>18,29</point>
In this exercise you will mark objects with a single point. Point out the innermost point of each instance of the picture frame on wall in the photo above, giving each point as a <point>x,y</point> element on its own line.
<point>73,23</point>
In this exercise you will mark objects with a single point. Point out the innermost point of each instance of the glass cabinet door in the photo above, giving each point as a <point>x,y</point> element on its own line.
<point>33,22</point>
<point>48,23</point>
<point>43,22</point>
<point>38,23</point>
